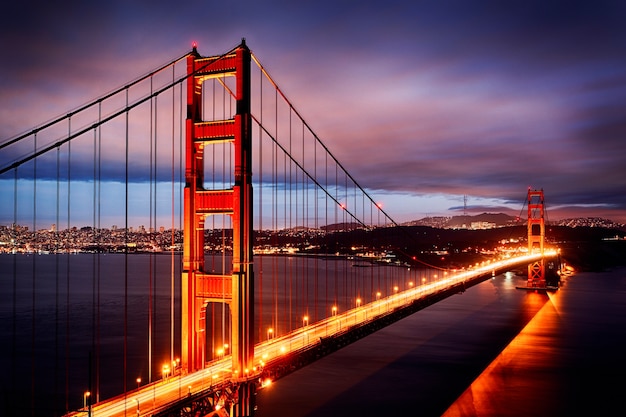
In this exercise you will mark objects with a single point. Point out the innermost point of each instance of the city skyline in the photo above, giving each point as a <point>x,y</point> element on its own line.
<point>474,99</point>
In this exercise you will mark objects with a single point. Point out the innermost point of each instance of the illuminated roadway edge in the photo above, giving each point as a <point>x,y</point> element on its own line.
<point>280,356</point>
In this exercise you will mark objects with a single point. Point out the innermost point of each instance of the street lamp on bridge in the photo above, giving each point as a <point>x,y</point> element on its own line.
<point>175,366</point>
<point>86,395</point>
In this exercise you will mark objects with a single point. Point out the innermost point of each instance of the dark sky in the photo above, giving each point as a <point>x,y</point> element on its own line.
<point>443,98</point>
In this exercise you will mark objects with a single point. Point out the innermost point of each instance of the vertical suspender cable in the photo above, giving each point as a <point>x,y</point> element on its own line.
<point>303,199</point>
<point>316,225</point>
<point>33,290</point>
<point>347,228</point>
<point>287,293</point>
<point>125,349</point>
<point>275,214</point>
<point>95,257</point>
<point>285,311</point>
<point>181,182</point>
<point>67,286</point>
<point>56,279</point>
<point>230,170</point>
<point>336,272</point>
<point>290,208</point>
<point>223,304</point>
<point>99,265</point>
<point>154,222</point>
<point>14,329</point>
<point>260,205</point>
<point>172,214</point>
<point>213,257</point>
<point>327,231</point>
<point>150,271</point>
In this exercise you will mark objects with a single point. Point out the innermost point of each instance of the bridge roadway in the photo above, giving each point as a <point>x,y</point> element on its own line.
<point>158,395</point>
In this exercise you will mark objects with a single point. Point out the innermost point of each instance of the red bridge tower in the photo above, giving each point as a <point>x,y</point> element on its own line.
<point>536,237</point>
<point>198,287</point>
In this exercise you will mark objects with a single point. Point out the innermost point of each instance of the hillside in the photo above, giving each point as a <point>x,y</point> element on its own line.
<point>588,248</point>
<point>501,219</point>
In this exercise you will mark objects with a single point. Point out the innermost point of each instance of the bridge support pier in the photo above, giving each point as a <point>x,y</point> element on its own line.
<point>246,400</point>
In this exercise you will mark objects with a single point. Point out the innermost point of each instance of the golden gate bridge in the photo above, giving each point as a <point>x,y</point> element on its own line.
<point>262,253</point>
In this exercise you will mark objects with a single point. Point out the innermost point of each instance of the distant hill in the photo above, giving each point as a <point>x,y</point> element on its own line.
<point>466,222</point>
<point>502,220</point>
<point>590,222</point>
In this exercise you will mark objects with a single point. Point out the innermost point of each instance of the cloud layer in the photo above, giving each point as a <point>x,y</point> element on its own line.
<point>446,98</point>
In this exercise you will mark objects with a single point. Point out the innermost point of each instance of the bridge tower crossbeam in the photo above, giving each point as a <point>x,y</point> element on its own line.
<point>197,287</point>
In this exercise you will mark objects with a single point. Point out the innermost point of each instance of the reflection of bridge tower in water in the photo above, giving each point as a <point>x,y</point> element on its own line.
<point>536,237</point>
<point>199,289</point>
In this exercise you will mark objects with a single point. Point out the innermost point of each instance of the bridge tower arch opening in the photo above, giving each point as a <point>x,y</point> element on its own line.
<point>536,238</point>
<point>203,292</point>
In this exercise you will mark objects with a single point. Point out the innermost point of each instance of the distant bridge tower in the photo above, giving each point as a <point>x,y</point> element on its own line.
<point>197,287</point>
<point>536,237</point>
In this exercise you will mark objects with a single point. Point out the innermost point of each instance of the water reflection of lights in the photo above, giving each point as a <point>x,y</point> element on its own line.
<point>517,365</point>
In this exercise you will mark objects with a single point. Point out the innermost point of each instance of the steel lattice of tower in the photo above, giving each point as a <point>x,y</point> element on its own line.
<point>197,287</point>
<point>536,238</point>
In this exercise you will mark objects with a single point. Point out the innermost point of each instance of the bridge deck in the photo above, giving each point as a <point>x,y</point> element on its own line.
<point>164,394</point>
